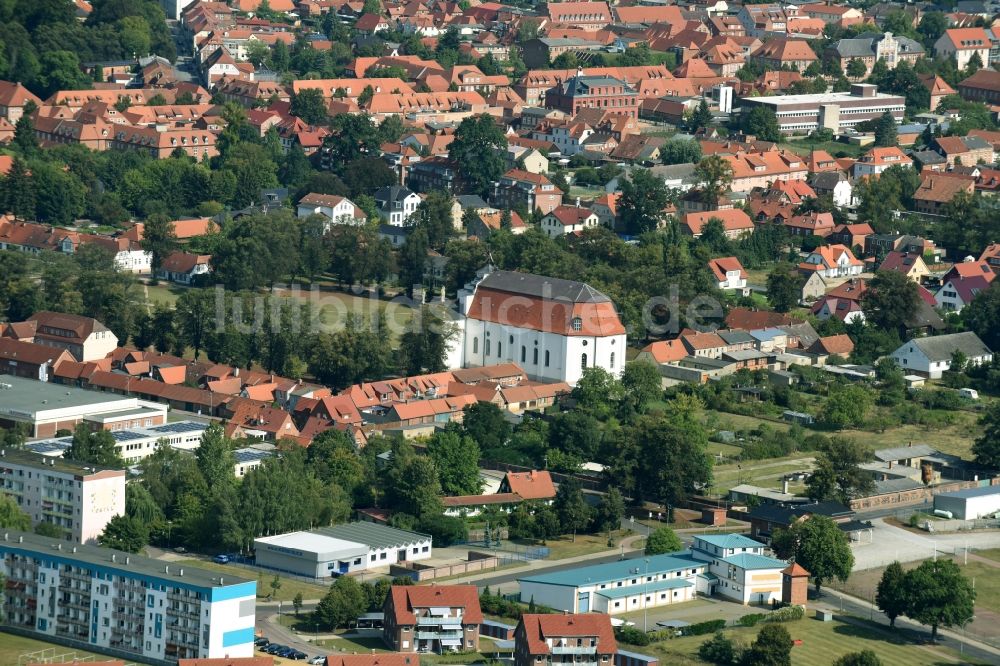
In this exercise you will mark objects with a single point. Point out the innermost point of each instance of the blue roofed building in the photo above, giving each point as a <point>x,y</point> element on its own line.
<point>619,587</point>
<point>738,569</point>
<point>729,565</point>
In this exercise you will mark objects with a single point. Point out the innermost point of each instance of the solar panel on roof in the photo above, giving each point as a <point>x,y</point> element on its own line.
<point>183,426</point>
<point>249,456</point>
<point>46,447</point>
<point>126,435</point>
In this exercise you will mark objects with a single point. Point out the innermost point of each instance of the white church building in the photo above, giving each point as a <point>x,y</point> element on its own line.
<point>554,329</point>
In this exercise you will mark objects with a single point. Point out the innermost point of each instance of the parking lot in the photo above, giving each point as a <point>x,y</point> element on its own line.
<point>889,543</point>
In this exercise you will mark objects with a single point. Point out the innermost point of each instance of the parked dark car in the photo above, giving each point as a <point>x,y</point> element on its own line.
<point>298,656</point>
<point>261,642</point>
<point>274,648</point>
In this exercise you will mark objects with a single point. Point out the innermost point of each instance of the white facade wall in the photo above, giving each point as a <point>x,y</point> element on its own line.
<point>134,261</point>
<point>948,298</point>
<point>969,508</point>
<point>98,345</point>
<point>82,506</point>
<point>489,343</point>
<point>101,498</point>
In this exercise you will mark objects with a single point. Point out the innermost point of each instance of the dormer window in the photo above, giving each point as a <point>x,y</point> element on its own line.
<point>577,324</point>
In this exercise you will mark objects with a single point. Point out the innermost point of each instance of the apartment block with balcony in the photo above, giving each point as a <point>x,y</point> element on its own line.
<point>78,499</point>
<point>570,640</point>
<point>434,618</point>
<point>127,606</point>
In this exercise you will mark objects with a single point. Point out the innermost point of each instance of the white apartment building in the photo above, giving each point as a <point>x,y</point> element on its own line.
<point>128,606</point>
<point>80,499</point>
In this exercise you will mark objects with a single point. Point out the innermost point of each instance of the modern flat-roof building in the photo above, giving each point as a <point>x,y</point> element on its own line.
<point>730,565</point>
<point>125,605</point>
<point>838,111</point>
<point>80,499</point>
<point>134,444</point>
<point>341,549</point>
<point>47,408</point>
<point>619,587</point>
<point>971,503</point>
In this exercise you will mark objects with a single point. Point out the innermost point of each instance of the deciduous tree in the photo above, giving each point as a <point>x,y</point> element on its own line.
<point>663,540</point>
<point>891,595</point>
<point>478,150</point>
<point>939,595</point>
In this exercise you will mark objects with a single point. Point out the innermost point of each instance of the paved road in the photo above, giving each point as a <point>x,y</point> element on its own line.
<point>894,543</point>
<point>837,601</point>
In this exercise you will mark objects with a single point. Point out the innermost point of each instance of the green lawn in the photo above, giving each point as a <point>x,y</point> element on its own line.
<point>822,643</point>
<point>955,439</point>
<point>991,554</point>
<point>162,293</point>
<point>565,546</point>
<point>862,584</point>
<point>289,586</point>
<point>12,648</point>
<point>803,148</point>
<point>766,473</point>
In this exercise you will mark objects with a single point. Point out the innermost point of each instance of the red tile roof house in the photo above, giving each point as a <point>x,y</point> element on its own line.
<point>810,224</point>
<point>13,97</point>
<point>545,639</point>
<point>730,274</point>
<point>432,618</point>
<point>962,283</point>
<point>26,359</point>
<point>85,338</point>
<point>184,267</point>
<point>991,255</point>
<point>832,261</point>
<point>795,53</point>
<point>908,263</point>
<point>663,352</point>
<point>568,220</point>
<point>534,191</point>
<point>735,221</point>
<point>533,485</point>
<point>963,43</point>
<point>936,190</point>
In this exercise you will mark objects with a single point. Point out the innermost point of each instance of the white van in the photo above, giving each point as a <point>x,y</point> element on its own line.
<point>971,394</point>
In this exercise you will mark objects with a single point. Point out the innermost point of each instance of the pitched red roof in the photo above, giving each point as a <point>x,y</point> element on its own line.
<point>536,484</point>
<point>666,351</point>
<point>405,599</point>
<point>538,629</point>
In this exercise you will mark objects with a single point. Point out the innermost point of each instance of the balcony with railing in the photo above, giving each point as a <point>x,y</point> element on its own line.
<point>437,620</point>
<point>438,635</point>
<point>574,649</point>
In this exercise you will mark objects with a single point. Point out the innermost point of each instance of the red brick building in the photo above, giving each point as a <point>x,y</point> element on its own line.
<point>552,640</point>
<point>436,618</point>
<point>602,92</point>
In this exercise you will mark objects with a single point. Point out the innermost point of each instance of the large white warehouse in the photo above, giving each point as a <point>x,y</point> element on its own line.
<point>341,549</point>
<point>971,503</point>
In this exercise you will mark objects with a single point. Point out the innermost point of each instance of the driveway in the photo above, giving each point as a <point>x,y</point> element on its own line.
<point>891,543</point>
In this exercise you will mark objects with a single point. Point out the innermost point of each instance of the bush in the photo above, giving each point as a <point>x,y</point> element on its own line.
<point>719,650</point>
<point>702,628</point>
<point>752,620</point>
<point>786,614</point>
<point>632,636</point>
